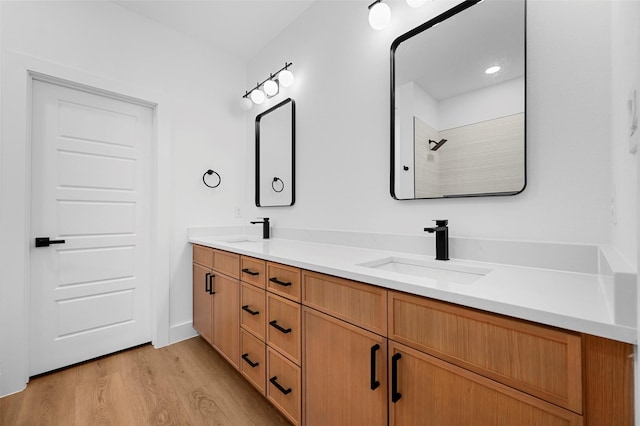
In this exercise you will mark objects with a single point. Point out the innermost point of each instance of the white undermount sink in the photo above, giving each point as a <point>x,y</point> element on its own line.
<point>241,239</point>
<point>438,270</point>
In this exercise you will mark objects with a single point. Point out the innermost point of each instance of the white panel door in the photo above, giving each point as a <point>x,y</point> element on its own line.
<point>90,295</point>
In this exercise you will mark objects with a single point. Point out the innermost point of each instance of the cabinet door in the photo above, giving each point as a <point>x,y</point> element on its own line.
<point>226,318</point>
<point>427,390</point>
<point>202,319</point>
<point>345,373</point>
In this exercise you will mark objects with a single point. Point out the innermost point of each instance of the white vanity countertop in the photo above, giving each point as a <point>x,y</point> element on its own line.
<point>570,300</point>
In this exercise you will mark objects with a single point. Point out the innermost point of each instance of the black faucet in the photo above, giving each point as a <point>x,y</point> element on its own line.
<point>265,227</point>
<point>442,238</point>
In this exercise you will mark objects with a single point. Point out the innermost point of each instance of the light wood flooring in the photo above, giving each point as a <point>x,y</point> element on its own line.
<point>187,383</point>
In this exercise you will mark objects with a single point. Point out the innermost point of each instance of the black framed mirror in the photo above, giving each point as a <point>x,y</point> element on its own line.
<point>458,98</point>
<point>275,155</point>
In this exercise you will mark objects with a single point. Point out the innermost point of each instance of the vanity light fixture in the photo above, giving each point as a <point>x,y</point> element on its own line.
<point>257,96</point>
<point>268,88</point>
<point>379,15</point>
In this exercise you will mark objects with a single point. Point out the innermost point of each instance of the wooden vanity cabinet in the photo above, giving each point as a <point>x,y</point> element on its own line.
<point>202,302</point>
<point>344,351</point>
<point>542,361</point>
<point>345,373</point>
<point>427,390</point>
<point>216,290</point>
<point>226,318</point>
<point>361,354</point>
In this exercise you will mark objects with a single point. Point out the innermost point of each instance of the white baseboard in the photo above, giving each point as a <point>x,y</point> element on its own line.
<point>182,331</point>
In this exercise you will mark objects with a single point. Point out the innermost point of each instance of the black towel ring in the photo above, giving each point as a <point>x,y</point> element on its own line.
<point>211,172</point>
<point>273,184</point>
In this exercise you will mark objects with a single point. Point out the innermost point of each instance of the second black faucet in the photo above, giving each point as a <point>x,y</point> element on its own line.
<point>265,227</point>
<point>442,238</point>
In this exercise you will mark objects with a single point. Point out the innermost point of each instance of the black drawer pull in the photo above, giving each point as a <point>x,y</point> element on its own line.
<point>274,381</point>
<point>277,281</point>
<point>395,395</point>
<point>250,272</point>
<point>247,309</point>
<point>274,324</point>
<point>374,382</point>
<point>207,282</point>
<point>248,361</point>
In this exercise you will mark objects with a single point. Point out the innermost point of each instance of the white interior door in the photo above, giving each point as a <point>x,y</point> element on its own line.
<point>90,295</point>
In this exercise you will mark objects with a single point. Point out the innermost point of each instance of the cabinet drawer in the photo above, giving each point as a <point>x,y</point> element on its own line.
<point>427,390</point>
<point>284,280</point>
<point>203,256</point>
<point>283,326</point>
<point>253,313</point>
<point>360,304</point>
<point>253,363</point>
<point>226,263</point>
<point>252,271</point>
<point>284,385</point>
<point>542,361</point>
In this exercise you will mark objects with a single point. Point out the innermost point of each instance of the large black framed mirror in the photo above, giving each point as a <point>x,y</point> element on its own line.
<point>275,155</point>
<point>458,97</point>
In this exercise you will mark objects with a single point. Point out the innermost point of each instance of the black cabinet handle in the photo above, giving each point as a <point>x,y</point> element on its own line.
<point>248,361</point>
<point>250,272</point>
<point>280,388</point>
<point>210,280</point>
<point>277,281</point>
<point>247,309</point>
<point>395,395</point>
<point>374,382</point>
<point>274,324</point>
<point>207,283</point>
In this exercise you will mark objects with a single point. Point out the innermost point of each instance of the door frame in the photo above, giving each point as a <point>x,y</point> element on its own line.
<point>16,78</point>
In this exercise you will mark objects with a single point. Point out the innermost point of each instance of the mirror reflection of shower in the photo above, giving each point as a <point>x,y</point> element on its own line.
<point>436,145</point>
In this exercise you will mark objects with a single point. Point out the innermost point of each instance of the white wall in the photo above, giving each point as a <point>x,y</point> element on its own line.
<point>488,103</point>
<point>342,100</point>
<point>207,129</point>
<point>625,68</point>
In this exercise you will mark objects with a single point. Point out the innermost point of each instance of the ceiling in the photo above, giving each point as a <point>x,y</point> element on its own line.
<point>449,59</point>
<point>241,27</point>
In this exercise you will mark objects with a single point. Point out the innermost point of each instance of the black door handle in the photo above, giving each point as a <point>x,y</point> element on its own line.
<point>210,281</point>
<point>374,382</point>
<point>274,380</point>
<point>395,395</point>
<point>274,324</point>
<point>45,242</point>
<point>207,283</point>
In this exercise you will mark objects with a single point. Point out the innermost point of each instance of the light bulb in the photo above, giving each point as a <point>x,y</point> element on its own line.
<point>246,104</point>
<point>285,77</point>
<point>270,87</point>
<point>379,16</point>
<point>257,96</point>
<point>416,3</point>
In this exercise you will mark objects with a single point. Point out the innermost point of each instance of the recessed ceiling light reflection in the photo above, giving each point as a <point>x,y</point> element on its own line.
<point>492,70</point>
